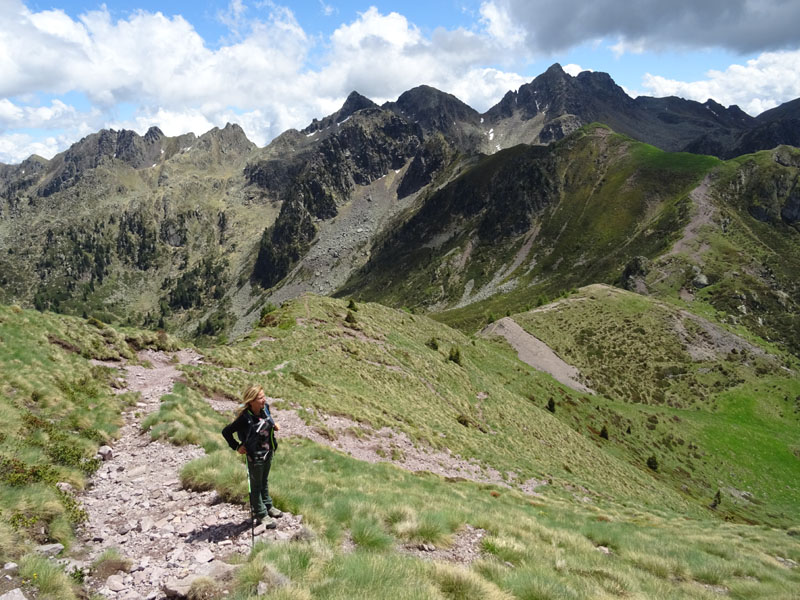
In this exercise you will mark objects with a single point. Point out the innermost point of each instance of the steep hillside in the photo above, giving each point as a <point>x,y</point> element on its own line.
<point>710,404</point>
<point>544,502</point>
<point>553,217</point>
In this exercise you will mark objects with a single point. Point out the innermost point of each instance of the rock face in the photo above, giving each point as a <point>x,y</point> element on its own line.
<point>362,149</point>
<point>673,124</point>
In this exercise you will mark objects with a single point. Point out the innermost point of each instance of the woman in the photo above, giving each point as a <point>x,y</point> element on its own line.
<point>256,432</point>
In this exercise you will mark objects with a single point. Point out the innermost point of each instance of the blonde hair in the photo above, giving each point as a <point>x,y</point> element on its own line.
<point>250,394</point>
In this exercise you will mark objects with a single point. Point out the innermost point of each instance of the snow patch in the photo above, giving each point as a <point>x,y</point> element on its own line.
<point>312,134</point>
<point>343,122</point>
<point>481,119</point>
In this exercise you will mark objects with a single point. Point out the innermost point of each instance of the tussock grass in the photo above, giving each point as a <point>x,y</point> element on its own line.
<point>49,579</point>
<point>56,408</point>
<point>459,583</point>
<point>184,417</point>
<point>109,562</point>
<point>660,546</point>
<point>722,422</point>
<point>531,550</point>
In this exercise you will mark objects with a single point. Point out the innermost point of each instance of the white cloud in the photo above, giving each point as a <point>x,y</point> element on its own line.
<point>500,25</point>
<point>573,69</point>
<point>16,147</point>
<point>762,83</point>
<point>327,9</point>
<point>259,78</point>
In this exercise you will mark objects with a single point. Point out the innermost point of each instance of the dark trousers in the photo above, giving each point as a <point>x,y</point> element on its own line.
<point>258,471</point>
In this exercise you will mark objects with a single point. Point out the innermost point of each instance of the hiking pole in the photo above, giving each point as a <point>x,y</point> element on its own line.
<point>250,504</point>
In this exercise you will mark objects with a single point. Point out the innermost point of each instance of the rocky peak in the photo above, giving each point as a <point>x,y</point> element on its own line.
<point>436,112</point>
<point>352,105</point>
<point>153,135</point>
<point>230,140</point>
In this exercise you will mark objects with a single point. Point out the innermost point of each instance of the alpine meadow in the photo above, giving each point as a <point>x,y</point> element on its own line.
<point>547,351</point>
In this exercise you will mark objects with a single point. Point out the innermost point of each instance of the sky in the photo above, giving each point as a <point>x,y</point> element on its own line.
<point>69,68</point>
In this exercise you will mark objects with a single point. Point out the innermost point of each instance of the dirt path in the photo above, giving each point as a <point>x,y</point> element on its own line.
<point>136,504</point>
<point>536,353</point>
<point>702,215</point>
<point>383,445</point>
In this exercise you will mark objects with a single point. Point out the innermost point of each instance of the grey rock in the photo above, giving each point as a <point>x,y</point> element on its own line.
<point>49,549</point>
<point>15,594</point>
<point>115,583</point>
<point>203,555</point>
<point>700,280</point>
<point>216,570</point>
<point>105,452</point>
<point>177,588</point>
<point>65,487</point>
<point>303,535</point>
<point>11,567</point>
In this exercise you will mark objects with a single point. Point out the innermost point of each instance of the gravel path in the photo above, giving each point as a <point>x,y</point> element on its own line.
<point>534,352</point>
<point>135,504</point>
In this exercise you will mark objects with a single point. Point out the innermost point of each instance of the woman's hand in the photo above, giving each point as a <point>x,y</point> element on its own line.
<point>242,449</point>
<point>277,427</point>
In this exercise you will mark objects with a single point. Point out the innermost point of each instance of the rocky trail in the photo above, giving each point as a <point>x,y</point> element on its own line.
<point>532,351</point>
<point>171,536</point>
<point>136,504</point>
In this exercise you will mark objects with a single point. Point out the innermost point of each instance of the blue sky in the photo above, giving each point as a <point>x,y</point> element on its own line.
<point>70,68</point>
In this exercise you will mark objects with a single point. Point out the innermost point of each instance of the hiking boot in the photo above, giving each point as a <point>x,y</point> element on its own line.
<point>274,512</point>
<point>266,522</point>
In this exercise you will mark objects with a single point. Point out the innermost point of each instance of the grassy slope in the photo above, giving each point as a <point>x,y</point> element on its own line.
<point>602,199</point>
<point>544,547</point>
<point>56,409</point>
<point>187,193</point>
<point>382,373</point>
<point>726,423</point>
<point>663,544</point>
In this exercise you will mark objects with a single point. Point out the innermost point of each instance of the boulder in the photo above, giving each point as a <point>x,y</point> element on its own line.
<point>49,549</point>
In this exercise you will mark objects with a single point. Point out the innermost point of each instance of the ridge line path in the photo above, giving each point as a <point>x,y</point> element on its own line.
<point>534,352</point>
<point>135,503</point>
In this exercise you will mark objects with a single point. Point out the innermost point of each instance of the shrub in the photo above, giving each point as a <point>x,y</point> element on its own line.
<point>432,343</point>
<point>551,405</point>
<point>352,305</point>
<point>350,318</point>
<point>604,432</point>
<point>652,462</point>
<point>455,355</point>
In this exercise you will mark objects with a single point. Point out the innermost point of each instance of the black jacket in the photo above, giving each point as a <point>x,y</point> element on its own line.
<point>255,432</point>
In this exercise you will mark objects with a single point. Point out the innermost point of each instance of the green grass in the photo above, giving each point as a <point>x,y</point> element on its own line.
<point>663,541</point>
<point>533,548</point>
<point>544,548</point>
<point>724,422</point>
<point>384,374</point>
<point>56,408</point>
